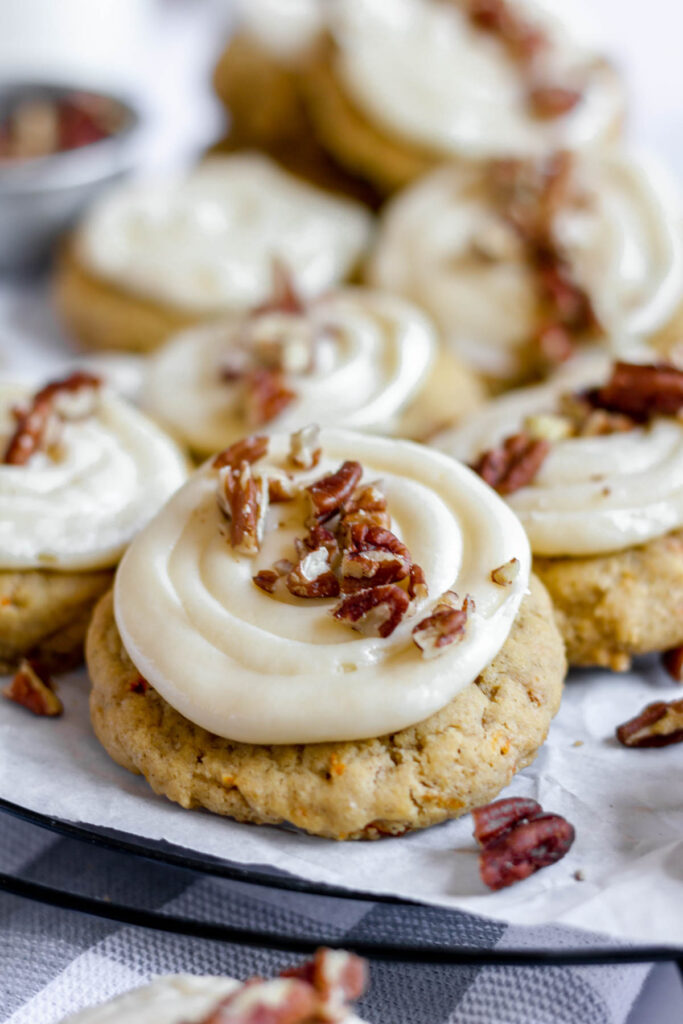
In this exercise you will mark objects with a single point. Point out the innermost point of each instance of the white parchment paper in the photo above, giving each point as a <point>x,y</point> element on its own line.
<point>622,877</point>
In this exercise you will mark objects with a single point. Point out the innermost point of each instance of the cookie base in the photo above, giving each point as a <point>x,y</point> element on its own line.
<point>613,607</point>
<point>457,759</point>
<point>45,616</point>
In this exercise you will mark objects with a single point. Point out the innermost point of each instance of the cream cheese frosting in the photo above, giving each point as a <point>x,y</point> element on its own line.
<point>173,999</point>
<point>442,244</point>
<point>205,243</point>
<point>286,28</point>
<point>459,92</point>
<point>273,668</point>
<point>79,510</point>
<point>592,495</point>
<point>371,357</point>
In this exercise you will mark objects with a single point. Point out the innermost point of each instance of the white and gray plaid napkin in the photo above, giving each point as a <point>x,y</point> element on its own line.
<point>54,962</point>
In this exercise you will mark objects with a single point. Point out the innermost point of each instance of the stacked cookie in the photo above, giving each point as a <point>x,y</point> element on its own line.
<point>341,629</point>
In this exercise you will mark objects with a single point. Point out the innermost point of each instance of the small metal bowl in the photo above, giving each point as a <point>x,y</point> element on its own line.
<point>42,196</point>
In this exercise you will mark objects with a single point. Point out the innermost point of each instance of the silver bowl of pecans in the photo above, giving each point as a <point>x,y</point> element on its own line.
<point>59,145</point>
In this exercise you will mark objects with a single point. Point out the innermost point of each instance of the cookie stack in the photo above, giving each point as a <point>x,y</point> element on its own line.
<point>356,615</point>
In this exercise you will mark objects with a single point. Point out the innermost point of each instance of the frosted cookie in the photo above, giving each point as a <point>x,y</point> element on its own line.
<point>321,989</point>
<point>257,80</point>
<point>81,472</point>
<point>354,357</point>
<point>399,86</point>
<point>153,257</point>
<point>594,470</point>
<point>374,654</point>
<point>518,262</point>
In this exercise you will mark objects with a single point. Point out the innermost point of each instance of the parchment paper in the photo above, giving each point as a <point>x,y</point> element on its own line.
<point>623,876</point>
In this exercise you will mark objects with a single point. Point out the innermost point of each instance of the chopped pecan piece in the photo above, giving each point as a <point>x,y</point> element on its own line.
<point>267,580</point>
<point>281,341</point>
<point>276,1001</point>
<point>641,391</point>
<point>658,725</point>
<point>249,449</point>
<point>281,487</point>
<point>313,577</point>
<point>33,689</point>
<point>304,447</point>
<point>329,494</point>
<point>320,537</point>
<point>243,498</point>
<point>337,976</point>
<point>673,663</point>
<point>445,626</point>
<point>492,820</point>
<point>374,556</point>
<point>524,849</point>
<point>284,297</point>
<point>375,611</point>
<point>417,583</point>
<point>266,395</point>
<point>36,423</point>
<point>513,464</point>
<point>505,575</point>
<point>553,100</point>
<point>368,505</point>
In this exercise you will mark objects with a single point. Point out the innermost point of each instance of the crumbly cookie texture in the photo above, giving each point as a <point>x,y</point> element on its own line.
<point>455,760</point>
<point>613,607</point>
<point>45,615</point>
<point>102,316</point>
<point>267,112</point>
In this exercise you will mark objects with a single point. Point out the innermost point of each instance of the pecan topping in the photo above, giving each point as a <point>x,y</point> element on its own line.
<point>513,464</point>
<point>673,663</point>
<point>56,402</point>
<point>374,611</point>
<point>374,554</point>
<point>284,297</point>
<point>267,580</point>
<point>313,577</point>
<point>368,506</point>
<point>417,583</point>
<point>658,725</point>
<point>304,447</point>
<point>329,494</point>
<point>281,487</point>
<point>249,449</point>
<point>337,976</point>
<point>266,395</point>
<point>320,537</point>
<point>640,391</point>
<point>505,575</point>
<point>549,101</point>
<point>34,690</point>
<point>243,498</point>
<point>518,839</point>
<point>445,626</point>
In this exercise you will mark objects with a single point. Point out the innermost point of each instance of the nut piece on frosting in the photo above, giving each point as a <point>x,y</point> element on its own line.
<point>38,426</point>
<point>445,626</point>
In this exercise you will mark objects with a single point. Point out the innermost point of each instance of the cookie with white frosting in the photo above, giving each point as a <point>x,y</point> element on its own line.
<point>355,357</point>
<point>80,473</point>
<point>339,632</point>
<point>520,261</point>
<point>402,85</point>
<point>593,466</point>
<point>152,257</point>
<point>321,989</point>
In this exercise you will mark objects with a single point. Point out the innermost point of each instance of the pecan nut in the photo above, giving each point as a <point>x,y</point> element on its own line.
<point>494,819</point>
<point>524,849</point>
<point>328,494</point>
<point>376,611</point>
<point>304,447</point>
<point>641,391</point>
<point>248,449</point>
<point>505,575</point>
<point>445,626</point>
<point>33,689</point>
<point>266,395</point>
<point>549,101</point>
<point>243,498</point>
<point>513,464</point>
<point>266,579</point>
<point>673,663</point>
<point>374,556</point>
<point>313,577</point>
<point>36,424</point>
<point>337,976</point>
<point>658,725</point>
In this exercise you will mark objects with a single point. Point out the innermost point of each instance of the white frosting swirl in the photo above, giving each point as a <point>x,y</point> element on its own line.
<point>592,495</point>
<point>173,999</point>
<point>286,28</point>
<point>264,668</point>
<point>372,357</point>
<point>443,245</point>
<point>420,69</point>
<point>79,511</point>
<point>205,243</point>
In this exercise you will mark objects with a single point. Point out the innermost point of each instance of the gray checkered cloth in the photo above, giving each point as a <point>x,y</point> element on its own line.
<point>54,962</point>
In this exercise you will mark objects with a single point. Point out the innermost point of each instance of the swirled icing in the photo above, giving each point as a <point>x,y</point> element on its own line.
<point>443,245</point>
<point>421,70</point>
<point>264,668</point>
<point>80,510</point>
<point>372,358</point>
<point>205,243</point>
<point>592,495</point>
